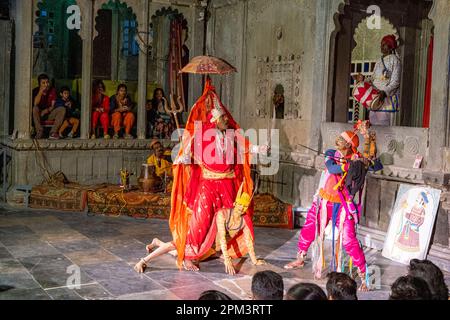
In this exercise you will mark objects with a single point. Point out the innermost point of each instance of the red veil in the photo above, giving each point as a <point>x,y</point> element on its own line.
<point>186,178</point>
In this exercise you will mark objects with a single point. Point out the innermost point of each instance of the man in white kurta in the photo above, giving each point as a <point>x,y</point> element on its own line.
<point>386,78</point>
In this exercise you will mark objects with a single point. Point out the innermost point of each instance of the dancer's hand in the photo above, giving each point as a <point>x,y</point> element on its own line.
<point>264,149</point>
<point>229,268</point>
<point>140,267</point>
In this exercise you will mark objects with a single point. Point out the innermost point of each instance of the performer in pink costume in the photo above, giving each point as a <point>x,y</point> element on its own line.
<point>334,201</point>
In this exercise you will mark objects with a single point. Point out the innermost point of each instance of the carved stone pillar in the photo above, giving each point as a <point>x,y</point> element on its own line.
<point>24,69</point>
<point>143,23</point>
<point>440,84</point>
<point>87,35</point>
<point>323,28</point>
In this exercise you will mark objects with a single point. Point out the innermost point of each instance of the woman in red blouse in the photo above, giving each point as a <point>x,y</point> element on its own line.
<point>100,108</point>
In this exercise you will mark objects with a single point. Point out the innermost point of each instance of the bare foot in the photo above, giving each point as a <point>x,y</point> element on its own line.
<point>190,266</point>
<point>295,264</point>
<point>155,243</point>
<point>259,262</point>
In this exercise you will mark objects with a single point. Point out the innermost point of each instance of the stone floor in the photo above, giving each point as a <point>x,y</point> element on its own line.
<point>42,251</point>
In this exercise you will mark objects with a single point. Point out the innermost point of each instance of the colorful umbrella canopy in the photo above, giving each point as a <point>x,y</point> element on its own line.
<point>208,65</point>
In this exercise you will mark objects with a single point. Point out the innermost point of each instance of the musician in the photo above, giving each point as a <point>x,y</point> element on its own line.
<point>158,159</point>
<point>386,78</point>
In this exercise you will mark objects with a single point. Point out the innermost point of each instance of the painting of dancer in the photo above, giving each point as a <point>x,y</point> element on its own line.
<point>411,223</point>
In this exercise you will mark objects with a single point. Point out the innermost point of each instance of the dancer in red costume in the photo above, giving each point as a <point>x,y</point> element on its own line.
<point>212,164</point>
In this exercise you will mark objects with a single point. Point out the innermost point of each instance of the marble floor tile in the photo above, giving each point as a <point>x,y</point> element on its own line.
<point>54,271</point>
<point>11,266</point>
<point>36,248</point>
<point>151,295</point>
<point>239,287</point>
<point>111,270</point>
<point>123,286</point>
<point>193,292</point>
<point>92,256</point>
<point>19,280</point>
<point>25,294</point>
<point>4,253</point>
<point>176,279</point>
<point>93,292</point>
<point>72,246</point>
<point>63,294</point>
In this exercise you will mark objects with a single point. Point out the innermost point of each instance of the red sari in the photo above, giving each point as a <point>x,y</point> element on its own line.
<point>203,188</point>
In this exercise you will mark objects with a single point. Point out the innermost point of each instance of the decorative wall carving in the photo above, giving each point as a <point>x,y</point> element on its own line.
<point>412,145</point>
<point>397,146</point>
<point>283,70</point>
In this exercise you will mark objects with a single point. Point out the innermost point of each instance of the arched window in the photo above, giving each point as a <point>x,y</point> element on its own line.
<point>363,58</point>
<point>357,49</point>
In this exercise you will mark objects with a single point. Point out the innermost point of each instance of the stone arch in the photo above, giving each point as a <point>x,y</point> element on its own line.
<point>349,16</point>
<point>160,30</point>
<point>367,41</point>
<point>114,34</point>
<point>54,44</point>
<point>165,11</point>
<point>128,8</point>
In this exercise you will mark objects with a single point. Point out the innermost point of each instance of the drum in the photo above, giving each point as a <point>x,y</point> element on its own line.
<point>148,180</point>
<point>367,95</point>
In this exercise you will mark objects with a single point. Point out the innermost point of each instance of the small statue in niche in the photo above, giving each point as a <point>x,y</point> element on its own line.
<point>278,101</point>
<point>279,33</point>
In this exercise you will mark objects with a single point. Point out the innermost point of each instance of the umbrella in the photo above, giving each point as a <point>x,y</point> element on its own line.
<point>208,65</point>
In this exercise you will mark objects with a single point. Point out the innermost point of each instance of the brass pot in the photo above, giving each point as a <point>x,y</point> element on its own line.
<point>148,181</point>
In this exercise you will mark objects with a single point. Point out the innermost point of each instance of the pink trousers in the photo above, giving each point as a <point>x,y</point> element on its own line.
<point>349,240</point>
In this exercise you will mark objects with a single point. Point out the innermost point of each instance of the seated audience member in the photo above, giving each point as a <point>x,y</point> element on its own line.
<point>100,108</point>
<point>305,291</point>
<point>151,117</point>
<point>158,159</point>
<point>267,285</point>
<point>44,98</point>
<point>432,275</point>
<point>120,108</point>
<point>72,113</point>
<point>213,295</point>
<point>410,288</point>
<point>163,122</point>
<point>341,287</point>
